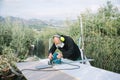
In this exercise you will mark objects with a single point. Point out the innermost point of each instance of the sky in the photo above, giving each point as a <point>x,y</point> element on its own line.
<point>50,9</point>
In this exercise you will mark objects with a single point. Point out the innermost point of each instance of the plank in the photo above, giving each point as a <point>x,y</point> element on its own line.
<point>41,75</point>
<point>85,72</point>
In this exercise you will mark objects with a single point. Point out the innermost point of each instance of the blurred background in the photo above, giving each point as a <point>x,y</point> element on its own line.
<point>26,27</point>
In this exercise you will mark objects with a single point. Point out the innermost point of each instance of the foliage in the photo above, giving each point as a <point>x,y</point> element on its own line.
<point>7,60</point>
<point>101,36</point>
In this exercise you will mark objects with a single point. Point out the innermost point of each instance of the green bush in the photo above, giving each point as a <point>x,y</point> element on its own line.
<point>101,37</point>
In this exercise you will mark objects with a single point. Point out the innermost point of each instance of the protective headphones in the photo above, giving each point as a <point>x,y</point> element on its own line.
<point>62,39</point>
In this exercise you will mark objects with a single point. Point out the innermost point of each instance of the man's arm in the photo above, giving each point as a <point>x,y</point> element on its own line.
<point>52,49</point>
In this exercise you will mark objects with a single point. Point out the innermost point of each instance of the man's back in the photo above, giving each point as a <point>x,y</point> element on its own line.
<point>70,49</point>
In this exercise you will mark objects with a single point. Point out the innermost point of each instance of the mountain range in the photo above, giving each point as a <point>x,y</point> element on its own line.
<point>33,23</point>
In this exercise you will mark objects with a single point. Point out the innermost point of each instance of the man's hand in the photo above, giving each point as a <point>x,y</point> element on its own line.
<point>50,56</point>
<point>59,55</point>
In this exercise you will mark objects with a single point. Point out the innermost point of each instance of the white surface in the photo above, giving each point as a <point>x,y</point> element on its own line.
<point>85,72</point>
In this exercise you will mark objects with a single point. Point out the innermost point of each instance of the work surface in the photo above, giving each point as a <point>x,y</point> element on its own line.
<point>85,72</point>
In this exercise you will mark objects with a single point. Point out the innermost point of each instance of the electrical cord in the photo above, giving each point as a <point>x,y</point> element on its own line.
<point>46,69</point>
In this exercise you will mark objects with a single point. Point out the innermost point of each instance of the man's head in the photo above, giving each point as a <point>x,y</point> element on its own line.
<point>57,41</point>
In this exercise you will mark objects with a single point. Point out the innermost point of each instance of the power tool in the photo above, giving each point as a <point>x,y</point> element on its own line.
<point>54,60</point>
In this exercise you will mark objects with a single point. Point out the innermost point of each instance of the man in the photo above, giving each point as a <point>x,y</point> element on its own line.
<point>66,45</point>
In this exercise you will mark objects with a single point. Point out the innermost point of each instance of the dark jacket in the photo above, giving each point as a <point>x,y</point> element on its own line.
<point>70,49</point>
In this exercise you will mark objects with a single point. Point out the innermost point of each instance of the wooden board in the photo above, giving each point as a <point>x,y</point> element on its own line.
<point>41,75</point>
<point>85,72</point>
